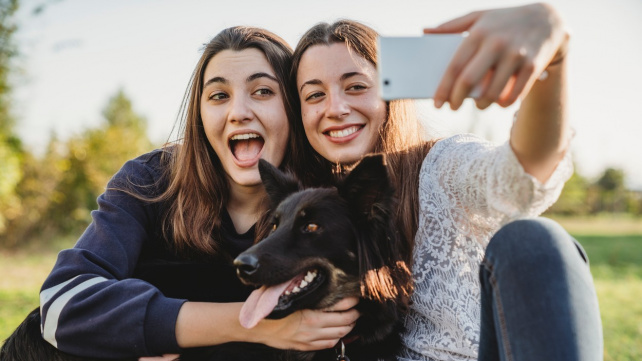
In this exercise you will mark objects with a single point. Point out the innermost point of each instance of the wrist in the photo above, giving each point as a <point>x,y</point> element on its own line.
<point>561,53</point>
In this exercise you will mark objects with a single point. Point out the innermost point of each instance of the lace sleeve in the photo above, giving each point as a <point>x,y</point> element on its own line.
<point>488,182</point>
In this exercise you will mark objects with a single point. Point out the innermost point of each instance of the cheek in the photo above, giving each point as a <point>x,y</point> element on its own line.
<point>378,112</point>
<point>211,118</point>
<point>310,117</point>
<point>306,118</point>
<point>279,127</point>
<point>381,115</point>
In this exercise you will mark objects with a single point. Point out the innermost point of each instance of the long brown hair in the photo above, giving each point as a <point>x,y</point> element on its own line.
<point>401,137</point>
<point>198,190</point>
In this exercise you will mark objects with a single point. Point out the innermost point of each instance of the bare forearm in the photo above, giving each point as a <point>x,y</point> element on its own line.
<point>207,324</point>
<point>540,134</point>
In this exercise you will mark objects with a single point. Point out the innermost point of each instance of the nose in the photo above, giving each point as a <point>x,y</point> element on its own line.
<point>246,264</point>
<point>240,110</point>
<point>338,106</point>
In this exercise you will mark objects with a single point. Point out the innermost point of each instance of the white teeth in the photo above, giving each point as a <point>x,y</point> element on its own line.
<point>343,133</point>
<point>244,136</point>
<point>310,276</point>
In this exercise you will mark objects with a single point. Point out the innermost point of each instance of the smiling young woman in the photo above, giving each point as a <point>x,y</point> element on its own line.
<point>489,284</point>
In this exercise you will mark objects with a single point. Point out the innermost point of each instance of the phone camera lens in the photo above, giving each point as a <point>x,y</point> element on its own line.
<point>386,82</point>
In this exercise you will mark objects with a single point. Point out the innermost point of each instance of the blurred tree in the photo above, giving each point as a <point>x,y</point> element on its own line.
<point>92,158</point>
<point>573,200</point>
<point>10,146</point>
<point>36,191</point>
<point>55,193</point>
<point>611,180</point>
<point>612,192</point>
<point>7,52</point>
<point>59,190</point>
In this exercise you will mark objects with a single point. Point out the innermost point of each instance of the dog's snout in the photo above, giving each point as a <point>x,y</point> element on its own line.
<point>246,264</point>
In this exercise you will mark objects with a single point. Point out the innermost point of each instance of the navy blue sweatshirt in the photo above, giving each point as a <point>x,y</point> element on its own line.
<point>118,291</point>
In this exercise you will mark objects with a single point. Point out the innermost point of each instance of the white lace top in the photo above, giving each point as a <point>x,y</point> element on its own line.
<point>468,189</point>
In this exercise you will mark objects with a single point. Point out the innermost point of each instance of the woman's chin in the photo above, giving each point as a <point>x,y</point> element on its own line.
<point>246,178</point>
<point>345,156</point>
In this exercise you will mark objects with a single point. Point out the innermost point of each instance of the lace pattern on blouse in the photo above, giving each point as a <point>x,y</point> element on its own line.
<point>468,189</point>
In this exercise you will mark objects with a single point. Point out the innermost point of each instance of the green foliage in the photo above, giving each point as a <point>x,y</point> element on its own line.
<point>10,174</point>
<point>91,159</point>
<point>573,197</point>
<point>608,194</point>
<point>10,150</point>
<point>612,180</point>
<point>57,192</point>
<point>7,52</point>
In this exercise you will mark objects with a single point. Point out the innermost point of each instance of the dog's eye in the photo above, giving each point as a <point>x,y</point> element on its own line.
<point>311,227</point>
<point>273,227</point>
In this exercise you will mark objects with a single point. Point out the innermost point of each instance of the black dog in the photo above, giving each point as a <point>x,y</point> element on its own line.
<point>326,244</point>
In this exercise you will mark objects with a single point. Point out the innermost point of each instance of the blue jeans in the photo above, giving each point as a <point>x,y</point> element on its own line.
<point>538,299</point>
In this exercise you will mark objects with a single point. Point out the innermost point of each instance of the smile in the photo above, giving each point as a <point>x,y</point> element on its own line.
<point>343,134</point>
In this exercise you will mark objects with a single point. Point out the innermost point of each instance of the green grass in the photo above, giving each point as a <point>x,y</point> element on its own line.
<point>621,311</point>
<point>614,247</point>
<point>23,273</point>
<point>616,265</point>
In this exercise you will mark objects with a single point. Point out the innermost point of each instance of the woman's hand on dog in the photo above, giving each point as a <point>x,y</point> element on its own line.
<point>309,330</point>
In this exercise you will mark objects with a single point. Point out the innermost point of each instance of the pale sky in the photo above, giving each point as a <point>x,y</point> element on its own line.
<point>78,53</point>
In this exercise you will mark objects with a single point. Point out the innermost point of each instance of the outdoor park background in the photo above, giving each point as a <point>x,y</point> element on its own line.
<point>86,85</point>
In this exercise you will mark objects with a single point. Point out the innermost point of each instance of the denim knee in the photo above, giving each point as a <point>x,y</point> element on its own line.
<point>538,298</point>
<point>533,242</point>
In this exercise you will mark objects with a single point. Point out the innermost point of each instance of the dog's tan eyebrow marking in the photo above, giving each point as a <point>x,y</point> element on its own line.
<point>302,213</point>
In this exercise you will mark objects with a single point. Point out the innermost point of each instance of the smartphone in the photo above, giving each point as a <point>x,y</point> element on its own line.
<point>412,67</point>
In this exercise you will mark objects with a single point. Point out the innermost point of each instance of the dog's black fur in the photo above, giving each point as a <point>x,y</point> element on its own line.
<point>344,233</point>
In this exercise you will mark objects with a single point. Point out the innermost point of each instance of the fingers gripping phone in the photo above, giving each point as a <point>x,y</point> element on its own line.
<point>412,67</point>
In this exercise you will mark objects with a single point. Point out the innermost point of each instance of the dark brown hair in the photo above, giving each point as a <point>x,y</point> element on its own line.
<point>198,188</point>
<point>401,137</point>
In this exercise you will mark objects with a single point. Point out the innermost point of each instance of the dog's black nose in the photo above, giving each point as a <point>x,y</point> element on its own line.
<point>246,264</point>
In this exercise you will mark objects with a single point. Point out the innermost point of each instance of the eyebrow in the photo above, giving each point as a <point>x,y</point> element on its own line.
<point>342,78</point>
<point>219,79</point>
<point>216,79</point>
<point>260,75</point>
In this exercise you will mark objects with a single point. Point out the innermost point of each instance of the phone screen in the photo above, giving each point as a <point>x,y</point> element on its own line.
<point>412,67</point>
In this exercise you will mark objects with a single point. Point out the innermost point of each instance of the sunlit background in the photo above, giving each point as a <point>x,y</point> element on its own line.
<point>85,73</point>
<point>75,54</point>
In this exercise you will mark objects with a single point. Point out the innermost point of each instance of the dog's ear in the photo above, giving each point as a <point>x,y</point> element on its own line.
<point>369,191</point>
<point>278,185</point>
<point>367,185</point>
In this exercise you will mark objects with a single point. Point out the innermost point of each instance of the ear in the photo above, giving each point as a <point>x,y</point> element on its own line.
<point>369,191</point>
<point>367,185</point>
<point>278,185</point>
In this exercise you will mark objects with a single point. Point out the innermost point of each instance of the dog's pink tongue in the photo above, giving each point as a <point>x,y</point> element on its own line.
<point>260,303</point>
